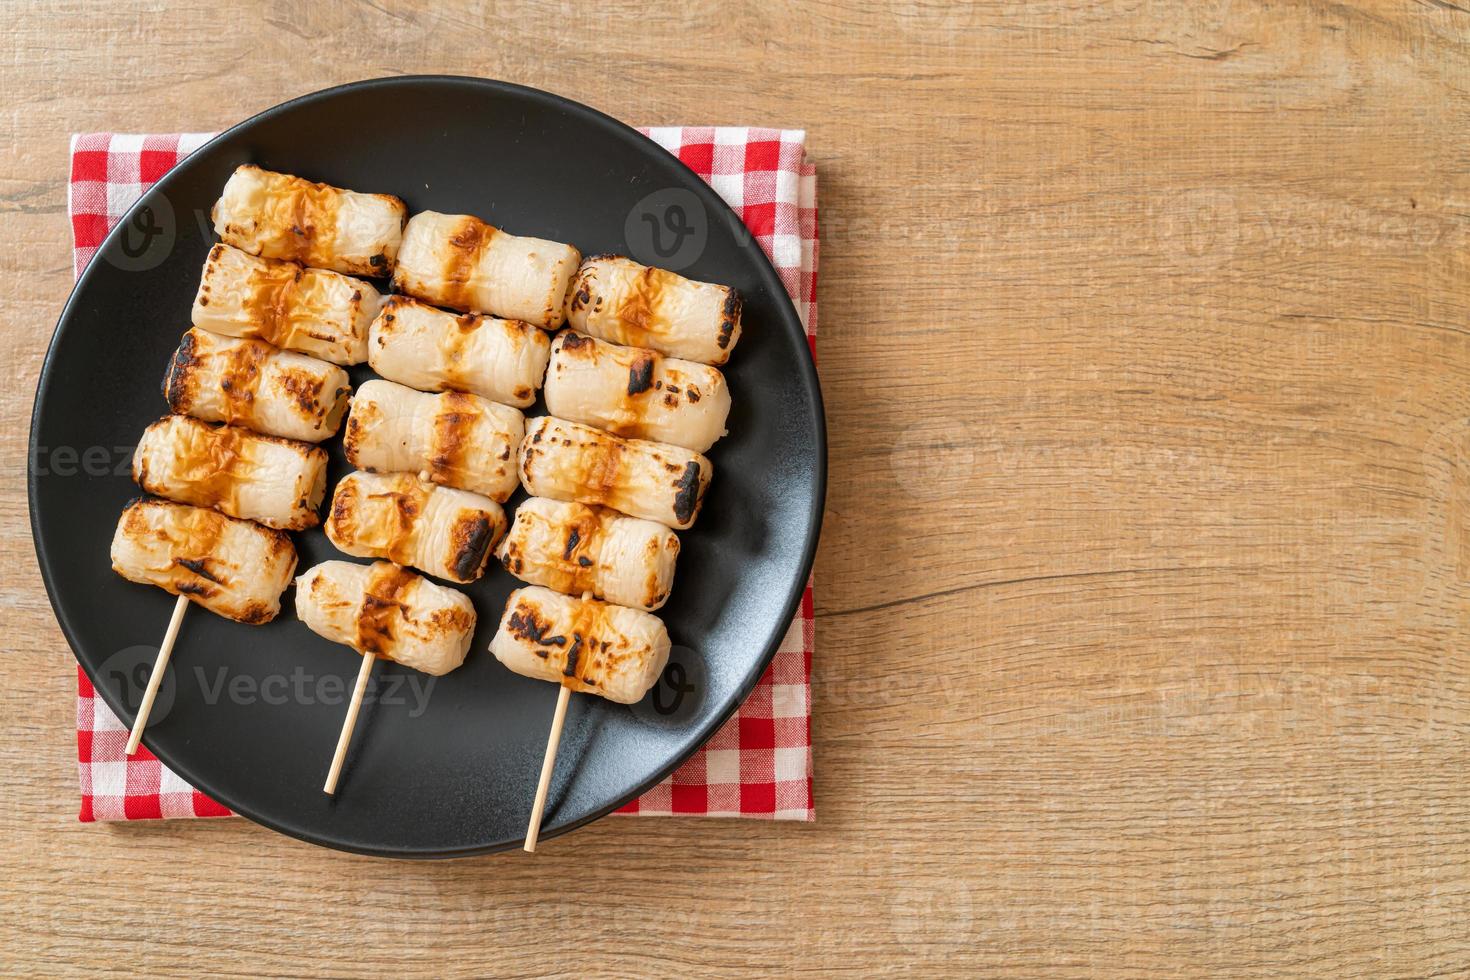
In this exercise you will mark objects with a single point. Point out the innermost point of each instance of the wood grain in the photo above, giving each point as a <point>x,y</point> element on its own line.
<point>1146,573</point>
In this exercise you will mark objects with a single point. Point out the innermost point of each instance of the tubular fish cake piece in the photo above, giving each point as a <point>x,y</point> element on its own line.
<point>453,439</point>
<point>636,393</point>
<point>573,548</point>
<point>234,568</point>
<point>614,298</point>
<point>388,611</point>
<point>445,532</point>
<point>278,482</point>
<point>251,383</point>
<point>324,314</point>
<point>459,261</point>
<point>569,461</point>
<point>426,348</point>
<point>278,216</point>
<point>581,643</point>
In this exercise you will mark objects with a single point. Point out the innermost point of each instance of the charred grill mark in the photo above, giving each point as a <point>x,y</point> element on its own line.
<point>452,343</point>
<point>305,390</point>
<point>573,653</point>
<point>640,374</point>
<point>600,462</point>
<point>638,311</point>
<point>352,438</point>
<point>280,542</point>
<point>363,417</point>
<point>269,298</point>
<point>206,461</point>
<point>729,318</point>
<point>312,223</point>
<point>345,503</point>
<point>686,499</point>
<point>450,620</point>
<point>590,630</point>
<point>255,613</point>
<point>453,434</point>
<point>572,539</point>
<point>200,533</point>
<point>239,373</point>
<point>527,626</point>
<point>402,512</point>
<point>407,506</point>
<point>383,604</point>
<point>180,368</point>
<point>194,588</point>
<point>465,246</point>
<point>471,541</point>
<point>199,566</point>
<point>572,342</point>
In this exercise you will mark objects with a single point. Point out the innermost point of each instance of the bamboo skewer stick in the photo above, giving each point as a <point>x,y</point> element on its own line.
<point>547,765</point>
<point>368,659</point>
<point>155,680</point>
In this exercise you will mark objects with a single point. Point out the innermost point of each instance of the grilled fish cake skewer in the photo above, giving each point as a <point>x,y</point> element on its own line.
<point>577,549</point>
<point>445,532</point>
<point>250,383</point>
<point>280,216</point>
<point>429,349</point>
<point>569,461</point>
<point>459,261</point>
<point>278,482</point>
<point>453,439</point>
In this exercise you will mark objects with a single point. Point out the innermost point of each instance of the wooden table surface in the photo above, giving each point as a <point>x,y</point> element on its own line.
<point>1145,580</point>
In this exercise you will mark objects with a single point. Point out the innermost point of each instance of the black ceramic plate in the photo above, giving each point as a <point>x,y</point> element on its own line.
<point>250,715</point>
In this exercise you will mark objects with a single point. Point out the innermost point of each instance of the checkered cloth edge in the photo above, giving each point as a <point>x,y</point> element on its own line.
<point>759,764</point>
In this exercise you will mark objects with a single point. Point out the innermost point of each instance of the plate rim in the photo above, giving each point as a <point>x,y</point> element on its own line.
<point>806,366</point>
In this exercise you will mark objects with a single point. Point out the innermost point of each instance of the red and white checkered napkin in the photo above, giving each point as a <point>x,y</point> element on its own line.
<point>760,763</point>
